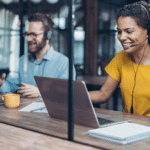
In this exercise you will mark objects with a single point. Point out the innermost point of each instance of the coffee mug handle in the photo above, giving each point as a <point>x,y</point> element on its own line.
<point>3,97</point>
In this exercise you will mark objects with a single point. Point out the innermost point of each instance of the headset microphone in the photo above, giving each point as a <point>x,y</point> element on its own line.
<point>139,43</point>
<point>148,33</point>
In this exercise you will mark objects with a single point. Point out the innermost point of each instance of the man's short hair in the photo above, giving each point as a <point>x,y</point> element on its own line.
<point>46,19</point>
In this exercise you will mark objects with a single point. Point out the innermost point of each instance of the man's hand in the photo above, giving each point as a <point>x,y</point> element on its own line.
<point>2,79</point>
<point>28,91</point>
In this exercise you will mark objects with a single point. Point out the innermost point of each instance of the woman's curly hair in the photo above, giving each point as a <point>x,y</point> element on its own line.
<point>138,13</point>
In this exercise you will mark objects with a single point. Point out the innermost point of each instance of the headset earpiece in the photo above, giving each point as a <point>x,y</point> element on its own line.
<point>47,35</point>
<point>148,28</point>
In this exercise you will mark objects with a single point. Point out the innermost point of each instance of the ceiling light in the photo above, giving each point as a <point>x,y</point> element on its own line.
<point>36,1</point>
<point>7,1</point>
<point>52,1</point>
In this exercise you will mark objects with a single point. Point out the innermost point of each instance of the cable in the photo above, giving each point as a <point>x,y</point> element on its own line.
<point>131,110</point>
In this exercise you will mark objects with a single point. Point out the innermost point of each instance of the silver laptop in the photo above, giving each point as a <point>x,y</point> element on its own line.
<point>55,96</point>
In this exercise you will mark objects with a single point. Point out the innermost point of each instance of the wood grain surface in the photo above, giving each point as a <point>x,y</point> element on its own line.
<point>93,80</point>
<point>42,123</point>
<point>18,139</point>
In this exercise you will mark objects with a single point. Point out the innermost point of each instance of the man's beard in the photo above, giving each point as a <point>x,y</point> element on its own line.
<point>34,47</point>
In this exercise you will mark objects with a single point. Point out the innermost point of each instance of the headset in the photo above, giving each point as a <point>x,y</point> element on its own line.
<point>148,28</point>
<point>47,35</point>
<point>148,33</point>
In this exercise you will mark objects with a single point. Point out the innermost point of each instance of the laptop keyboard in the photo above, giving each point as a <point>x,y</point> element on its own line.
<point>103,121</point>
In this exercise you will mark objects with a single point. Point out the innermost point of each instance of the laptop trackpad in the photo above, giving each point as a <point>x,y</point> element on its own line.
<point>107,119</point>
<point>103,121</point>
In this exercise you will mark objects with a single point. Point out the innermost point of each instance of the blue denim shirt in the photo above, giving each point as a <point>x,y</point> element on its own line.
<point>53,64</point>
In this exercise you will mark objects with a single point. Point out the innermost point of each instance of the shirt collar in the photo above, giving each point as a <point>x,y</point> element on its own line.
<point>47,56</point>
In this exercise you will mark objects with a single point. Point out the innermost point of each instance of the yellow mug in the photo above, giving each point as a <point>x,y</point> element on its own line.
<point>11,100</point>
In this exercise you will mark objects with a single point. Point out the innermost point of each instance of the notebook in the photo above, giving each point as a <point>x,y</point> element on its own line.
<point>122,133</point>
<point>55,96</point>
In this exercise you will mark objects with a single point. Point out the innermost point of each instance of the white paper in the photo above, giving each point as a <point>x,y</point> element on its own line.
<point>122,133</point>
<point>35,105</point>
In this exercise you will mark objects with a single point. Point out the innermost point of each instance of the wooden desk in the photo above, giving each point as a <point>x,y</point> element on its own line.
<point>42,123</point>
<point>13,136</point>
<point>93,80</point>
<point>16,138</point>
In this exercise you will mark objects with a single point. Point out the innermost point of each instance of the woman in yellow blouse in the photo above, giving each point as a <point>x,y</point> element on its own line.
<point>130,67</point>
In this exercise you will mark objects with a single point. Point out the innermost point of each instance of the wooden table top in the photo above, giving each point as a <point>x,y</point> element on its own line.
<point>18,139</point>
<point>93,80</point>
<point>42,123</point>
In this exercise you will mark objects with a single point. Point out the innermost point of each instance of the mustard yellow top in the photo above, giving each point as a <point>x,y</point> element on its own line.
<point>121,68</point>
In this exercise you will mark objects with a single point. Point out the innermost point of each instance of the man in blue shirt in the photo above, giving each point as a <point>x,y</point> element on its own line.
<point>43,60</point>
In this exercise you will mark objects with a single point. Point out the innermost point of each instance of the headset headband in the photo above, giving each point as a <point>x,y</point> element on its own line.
<point>146,11</point>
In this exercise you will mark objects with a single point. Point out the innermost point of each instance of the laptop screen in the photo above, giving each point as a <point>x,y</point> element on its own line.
<point>55,96</point>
